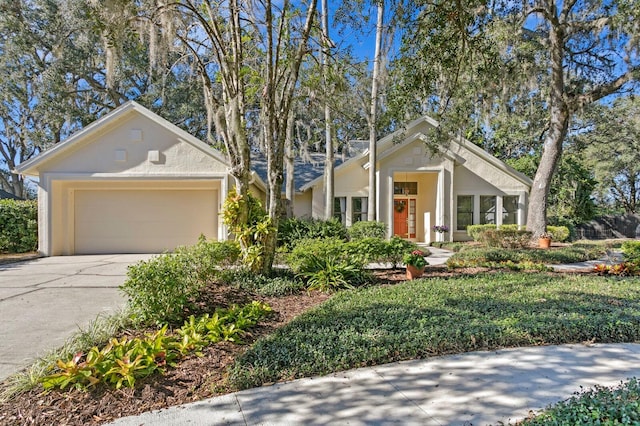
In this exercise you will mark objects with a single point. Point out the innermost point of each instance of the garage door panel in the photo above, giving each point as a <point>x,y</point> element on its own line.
<point>137,221</point>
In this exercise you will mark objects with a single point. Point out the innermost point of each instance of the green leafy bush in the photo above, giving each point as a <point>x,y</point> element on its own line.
<point>160,288</point>
<point>303,256</point>
<point>631,251</point>
<point>365,229</point>
<point>291,231</point>
<point>18,226</point>
<point>598,406</point>
<point>369,250</point>
<point>329,273</point>
<point>122,361</point>
<point>559,233</point>
<point>505,238</point>
<point>398,247</point>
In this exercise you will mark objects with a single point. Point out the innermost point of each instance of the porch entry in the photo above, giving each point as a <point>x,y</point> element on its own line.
<point>414,199</point>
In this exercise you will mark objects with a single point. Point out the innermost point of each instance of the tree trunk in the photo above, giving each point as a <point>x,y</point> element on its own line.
<point>329,184</point>
<point>552,148</point>
<point>373,118</point>
<point>289,164</point>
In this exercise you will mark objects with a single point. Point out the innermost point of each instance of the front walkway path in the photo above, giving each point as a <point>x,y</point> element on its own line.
<point>44,301</point>
<point>476,388</point>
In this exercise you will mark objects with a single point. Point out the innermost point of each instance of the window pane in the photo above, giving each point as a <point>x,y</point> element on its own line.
<point>487,209</point>
<point>465,212</point>
<point>510,210</point>
<point>359,209</point>
<point>340,209</point>
<point>405,188</point>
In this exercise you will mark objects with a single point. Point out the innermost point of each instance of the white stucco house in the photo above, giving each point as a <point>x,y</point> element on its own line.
<point>132,182</point>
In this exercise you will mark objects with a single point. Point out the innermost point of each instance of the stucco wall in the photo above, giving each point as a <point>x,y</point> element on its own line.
<point>129,145</point>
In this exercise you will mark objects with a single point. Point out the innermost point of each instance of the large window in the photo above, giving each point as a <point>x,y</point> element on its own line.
<point>340,209</point>
<point>487,209</point>
<point>464,212</point>
<point>509,210</point>
<point>359,209</point>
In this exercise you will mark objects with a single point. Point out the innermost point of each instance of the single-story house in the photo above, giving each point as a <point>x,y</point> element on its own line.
<point>459,185</point>
<point>132,182</point>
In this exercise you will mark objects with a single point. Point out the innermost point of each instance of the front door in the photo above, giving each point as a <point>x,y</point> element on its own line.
<point>400,216</point>
<point>404,217</point>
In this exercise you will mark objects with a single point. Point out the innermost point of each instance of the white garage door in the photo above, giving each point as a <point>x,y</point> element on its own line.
<point>136,221</point>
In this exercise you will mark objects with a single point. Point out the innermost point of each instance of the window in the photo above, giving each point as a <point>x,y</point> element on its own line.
<point>359,209</point>
<point>464,212</point>
<point>340,209</point>
<point>509,210</point>
<point>487,209</point>
<point>405,188</point>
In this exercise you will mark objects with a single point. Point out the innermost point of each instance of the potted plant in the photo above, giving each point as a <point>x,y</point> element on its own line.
<point>415,263</point>
<point>440,229</point>
<point>544,240</point>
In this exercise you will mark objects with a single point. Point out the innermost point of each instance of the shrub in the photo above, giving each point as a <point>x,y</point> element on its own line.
<point>360,230</point>
<point>560,233</point>
<point>398,247</point>
<point>303,256</point>
<point>505,238</point>
<point>290,231</point>
<point>631,251</point>
<point>329,273</point>
<point>368,250</point>
<point>160,288</point>
<point>18,226</point>
<point>476,231</point>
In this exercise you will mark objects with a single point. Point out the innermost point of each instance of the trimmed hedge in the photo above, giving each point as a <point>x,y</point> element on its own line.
<point>18,226</point>
<point>560,233</point>
<point>292,230</point>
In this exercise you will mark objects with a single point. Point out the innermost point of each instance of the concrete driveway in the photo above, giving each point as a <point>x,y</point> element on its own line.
<point>44,301</point>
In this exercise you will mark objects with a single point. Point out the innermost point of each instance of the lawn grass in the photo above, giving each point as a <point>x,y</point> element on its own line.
<point>439,316</point>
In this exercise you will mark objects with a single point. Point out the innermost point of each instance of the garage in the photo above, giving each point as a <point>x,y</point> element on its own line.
<point>130,182</point>
<point>136,221</point>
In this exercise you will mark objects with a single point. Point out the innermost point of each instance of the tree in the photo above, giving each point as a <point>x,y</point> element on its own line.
<point>246,53</point>
<point>613,152</point>
<point>582,52</point>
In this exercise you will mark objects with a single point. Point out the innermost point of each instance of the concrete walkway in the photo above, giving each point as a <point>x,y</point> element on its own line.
<point>44,301</point>
<point>470,389</point>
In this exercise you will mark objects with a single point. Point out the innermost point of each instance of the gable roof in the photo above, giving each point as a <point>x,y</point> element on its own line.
<point>388,145</point>
<point>30,167</point>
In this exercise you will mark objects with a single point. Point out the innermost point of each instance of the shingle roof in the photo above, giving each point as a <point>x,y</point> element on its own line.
<point>4,195</point>
<point>308,168</point>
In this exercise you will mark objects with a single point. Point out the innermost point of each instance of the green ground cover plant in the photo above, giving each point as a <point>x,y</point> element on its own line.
<point>281,282</point>
<point>618,405</point>
<point>518,259</point>
<point>431,317</point>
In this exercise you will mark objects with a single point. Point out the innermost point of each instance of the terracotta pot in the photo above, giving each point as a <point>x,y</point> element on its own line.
<point>413,272</point>
<point>544,243</point>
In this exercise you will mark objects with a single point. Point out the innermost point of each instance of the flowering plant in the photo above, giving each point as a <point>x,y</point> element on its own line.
<point>440,228</point>
<point>415,258</point>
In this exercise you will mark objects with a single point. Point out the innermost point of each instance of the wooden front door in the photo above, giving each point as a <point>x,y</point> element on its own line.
<point>400,216</point>
<point>404,217</point>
